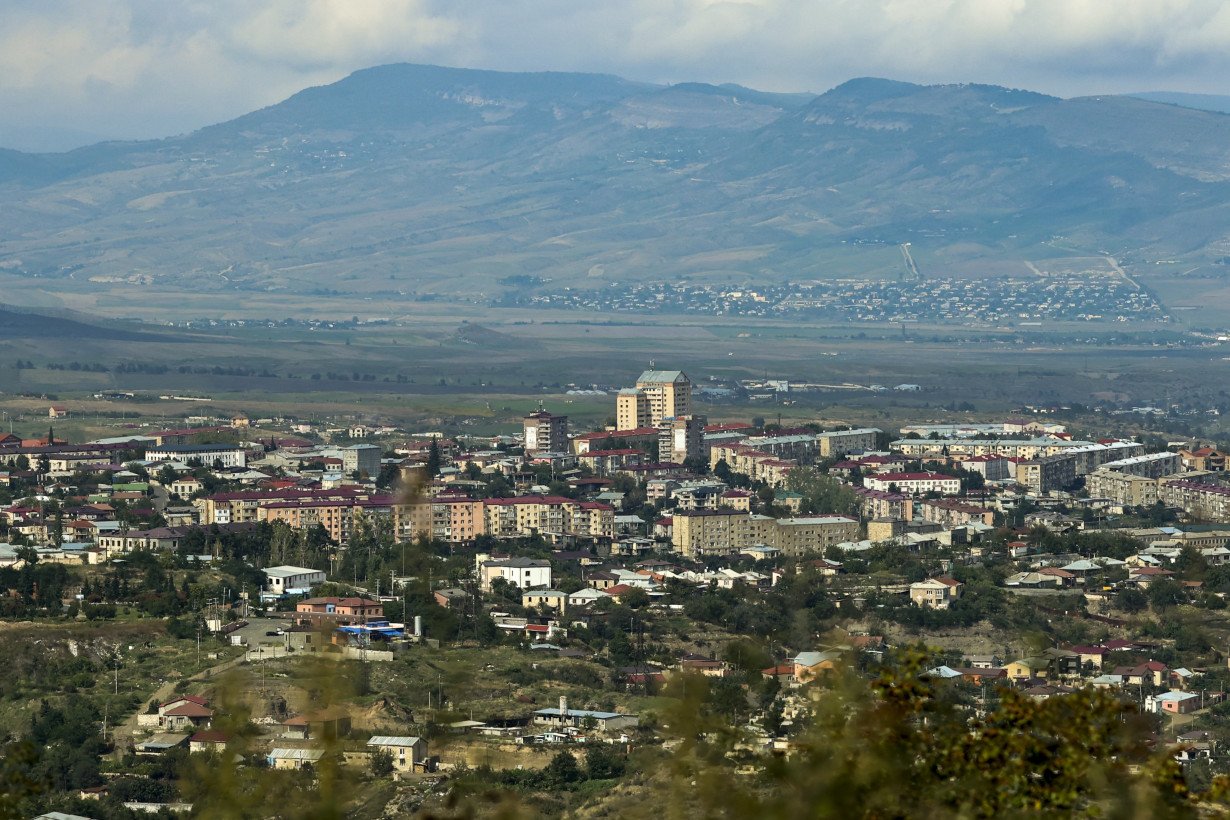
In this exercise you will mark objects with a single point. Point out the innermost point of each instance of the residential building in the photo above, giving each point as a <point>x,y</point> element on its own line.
<point>1210,502</point>
<point>408,753</point>
<point>549,516</point>
<point>990,467</point>
<point>702,533</point>
<point>631,409</point>
<point>289,580</point>
<point>338,611</point>
<point>1046,474</point>
<point>935,593</point>
<point>814,534</point>
<point>1122,489</point>
<point>681,438</point>
<point>1153,465</point>
<point>875,504</point>
<point>339,518</point>
<point>913,483</point>
<point>1009,448</point>
<point>807,666</point>
<point>527,573</point>
<point>581,718</point>
<point>724,531</point>
<point>207,455</point>
<point>545,433</point>
<point>1203,458</point>
<point>294,759</point>
<point>550,598</point>
<point>843,442</point>
<point>669,392</point>
<point>949,512</point>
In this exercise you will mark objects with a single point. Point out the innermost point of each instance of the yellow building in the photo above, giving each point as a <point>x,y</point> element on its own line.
<point>659,394</point>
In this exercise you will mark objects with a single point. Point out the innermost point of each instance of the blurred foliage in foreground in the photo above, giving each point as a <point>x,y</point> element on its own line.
<point>902,747</point>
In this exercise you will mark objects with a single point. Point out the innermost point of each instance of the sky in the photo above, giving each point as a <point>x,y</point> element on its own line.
<point>72,71</point>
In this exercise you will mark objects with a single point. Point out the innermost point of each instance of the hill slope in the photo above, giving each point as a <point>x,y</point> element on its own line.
<point>408,180</point>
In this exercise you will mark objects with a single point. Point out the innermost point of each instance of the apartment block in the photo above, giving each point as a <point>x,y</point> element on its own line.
<point>1154,465</point>
<point>681,438</point>
<point>545,433</point>
<point>703,533</point>
<point>631,409</point>
<point>1047,473</point>
<point>659,394</point>
<point>914,483</point>
<point>842,442</point>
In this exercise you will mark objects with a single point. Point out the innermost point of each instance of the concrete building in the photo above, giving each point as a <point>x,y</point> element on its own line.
<point>935,593</point>
<point>1153,465</point>
<point>408,753</point>
<point>338,611</point>
<point>703,533</point>
<point>288,580</point>
<point>545,433</point>
<point>681,438</point>
<point>813,534</point>
<point>914,483</point>
<point>990,467</point>
<point>1122,489</point>
<point>1047,473</point>
<point>842,442</point>
<point>1009,448</point>
<point>580,718</point>
<point>631,409</point>
<point>526,573</point>
<point>662,394</point>
<point>228,455</point>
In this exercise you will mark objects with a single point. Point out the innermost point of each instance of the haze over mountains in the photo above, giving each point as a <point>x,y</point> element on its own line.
<point>411,180</point>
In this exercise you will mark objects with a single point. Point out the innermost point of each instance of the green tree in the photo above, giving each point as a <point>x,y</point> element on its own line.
<point>563,771</point>
<point>1132,600</point>
<point>1165,593</point>
<point>381,764</point>
<point>433,459</point>
<point>602,762</point>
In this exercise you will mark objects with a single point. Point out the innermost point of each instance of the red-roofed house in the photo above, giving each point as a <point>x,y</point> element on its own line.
<point>338,611</point>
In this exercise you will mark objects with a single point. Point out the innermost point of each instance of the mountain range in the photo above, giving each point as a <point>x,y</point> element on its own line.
<point>413,181</point>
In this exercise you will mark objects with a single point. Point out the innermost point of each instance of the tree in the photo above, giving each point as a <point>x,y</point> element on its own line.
<point>821,494</point>
<point>381,763</point>
<point>1165,593</point>
<point>563,770</point>
<point>433,459</point>
<point>1132,600</point>
<point>635,598</point>
<point>603,763</point>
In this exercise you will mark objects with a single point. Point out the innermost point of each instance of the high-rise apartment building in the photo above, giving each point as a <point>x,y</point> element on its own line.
<point>545,433</point>
<point>631,409</point>
<point>659,394</point>
<point>680,438</point>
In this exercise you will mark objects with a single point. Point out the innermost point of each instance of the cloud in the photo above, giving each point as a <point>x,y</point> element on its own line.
<point>151,67</point>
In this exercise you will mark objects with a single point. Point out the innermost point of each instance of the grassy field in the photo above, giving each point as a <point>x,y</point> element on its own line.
<point>457,367</point>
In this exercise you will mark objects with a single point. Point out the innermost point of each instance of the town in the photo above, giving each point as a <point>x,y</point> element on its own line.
<point>1070,297</point>
<point>520,607</point>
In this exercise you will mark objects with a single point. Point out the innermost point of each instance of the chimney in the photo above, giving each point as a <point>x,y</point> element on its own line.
<point>563,707</point>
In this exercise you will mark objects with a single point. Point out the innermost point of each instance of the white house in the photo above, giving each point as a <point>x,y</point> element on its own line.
<point>914,483</point>
<point>287,580</point>
<point>526,573</point>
